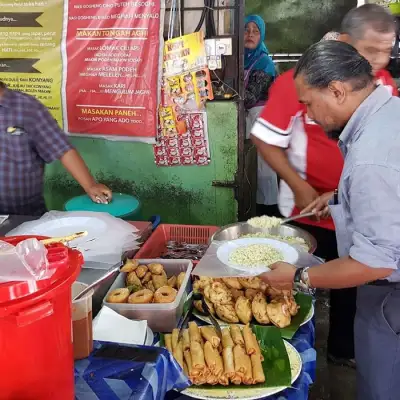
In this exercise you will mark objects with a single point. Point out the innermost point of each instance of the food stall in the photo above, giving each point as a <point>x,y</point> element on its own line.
<point>150,299</point>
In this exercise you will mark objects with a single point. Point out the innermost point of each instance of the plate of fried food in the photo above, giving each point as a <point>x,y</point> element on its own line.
<point>146,284</point>
<point>251,301</point>
<point>243,363</point>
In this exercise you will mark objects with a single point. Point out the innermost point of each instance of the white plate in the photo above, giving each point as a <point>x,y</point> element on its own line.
<point>68,226</point>
<point>247,393</point>
<point>206,319</point>
<point>290,254</point>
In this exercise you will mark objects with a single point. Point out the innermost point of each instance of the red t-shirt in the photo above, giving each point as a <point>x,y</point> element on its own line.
<point>317,159</point>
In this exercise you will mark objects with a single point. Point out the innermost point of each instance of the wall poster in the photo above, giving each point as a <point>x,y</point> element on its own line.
<point>94,63</point>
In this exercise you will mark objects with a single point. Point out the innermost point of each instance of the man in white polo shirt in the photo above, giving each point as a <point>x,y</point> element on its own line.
<point>309,163</point>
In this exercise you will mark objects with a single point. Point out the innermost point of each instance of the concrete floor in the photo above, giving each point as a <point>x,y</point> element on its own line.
<point>332,383</point>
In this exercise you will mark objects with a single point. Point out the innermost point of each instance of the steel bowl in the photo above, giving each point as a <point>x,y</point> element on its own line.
<point>237,230</point>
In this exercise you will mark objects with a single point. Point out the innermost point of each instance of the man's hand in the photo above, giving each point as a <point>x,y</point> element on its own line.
<point>304,195</point>
<point>319,206</point>
<point>99,193</point>
<point>281,275</point>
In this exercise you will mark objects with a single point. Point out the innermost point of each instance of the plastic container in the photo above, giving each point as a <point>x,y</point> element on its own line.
<point>155,246</point>
<point>82,317</point>
<point>36,358</point>
<point>160,317</point>
<point>122,206</point>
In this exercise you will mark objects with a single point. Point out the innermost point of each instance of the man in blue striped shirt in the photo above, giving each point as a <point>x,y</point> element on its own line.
<point>337,86</point>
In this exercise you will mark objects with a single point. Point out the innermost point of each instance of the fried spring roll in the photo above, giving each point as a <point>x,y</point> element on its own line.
<point>237,336</point>
<point>227,338</point>
<point>209,333</point>
<point>223,380</point>
<point>168,342</point>
<point>243,365</point>
<point>188,360</point>
<point>175,334</point>
<point>258,372</point>
<point>194,333</point>
<point>212,379</point>
<point>250,345</point>
<point>213,359</point>
<point>239,356</point>
<point>186,340</point>
<point>198,361</point>
<point>229,364</point>
<point>178,354</point>
<point>185,369</point>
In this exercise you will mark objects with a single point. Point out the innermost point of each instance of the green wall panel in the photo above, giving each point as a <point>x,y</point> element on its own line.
<point>178,194</point>
<point>293,25</point>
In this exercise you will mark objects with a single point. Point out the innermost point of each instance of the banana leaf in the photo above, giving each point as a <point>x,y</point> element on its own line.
<point>305,303</point>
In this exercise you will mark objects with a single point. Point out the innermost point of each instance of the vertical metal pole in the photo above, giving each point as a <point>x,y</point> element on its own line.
<point>241,119</point>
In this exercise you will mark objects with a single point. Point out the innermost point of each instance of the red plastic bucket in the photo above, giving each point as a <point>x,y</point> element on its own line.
<point>36,353</point>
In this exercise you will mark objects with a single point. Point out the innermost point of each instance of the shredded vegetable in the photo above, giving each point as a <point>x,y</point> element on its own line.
<point>255,255</point>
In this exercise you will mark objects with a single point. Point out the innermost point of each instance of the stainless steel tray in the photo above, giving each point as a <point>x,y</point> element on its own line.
<point>237,230</point>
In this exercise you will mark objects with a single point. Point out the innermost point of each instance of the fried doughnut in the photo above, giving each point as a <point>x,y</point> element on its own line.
<point>147,278</point>
<point>173,281</point>
<point>133,280</point>
<point>180,279</point>
<point>141,271</point>
<point>130,265</point>
<point>165,294</point>
<point>156,269</point>
<point>118,296</point>
<point>144,296</point>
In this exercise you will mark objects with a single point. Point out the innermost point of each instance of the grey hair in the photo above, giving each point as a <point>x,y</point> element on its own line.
<point>328,61</point>
<point>369,16</point>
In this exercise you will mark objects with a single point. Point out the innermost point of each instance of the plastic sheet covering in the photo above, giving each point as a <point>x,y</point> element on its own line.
<point>24,262</point>
<point>210,265</point>
<point>128,372</point>
<point>108,237</point>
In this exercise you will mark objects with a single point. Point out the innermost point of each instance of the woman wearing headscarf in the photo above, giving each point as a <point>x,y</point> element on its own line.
<point>259,74</point>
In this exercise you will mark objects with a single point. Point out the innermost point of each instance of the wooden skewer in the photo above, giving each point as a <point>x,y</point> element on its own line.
<point>64,239</point>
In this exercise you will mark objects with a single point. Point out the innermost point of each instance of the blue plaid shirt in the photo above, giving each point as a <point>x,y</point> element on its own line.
<point>29,138</point>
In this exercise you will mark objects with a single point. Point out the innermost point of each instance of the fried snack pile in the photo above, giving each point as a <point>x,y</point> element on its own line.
<point>239,300</point>
<point>146,284</point>
<point>206,359</point>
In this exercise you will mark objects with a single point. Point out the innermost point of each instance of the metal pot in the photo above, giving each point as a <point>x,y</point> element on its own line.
<point>237,230</point>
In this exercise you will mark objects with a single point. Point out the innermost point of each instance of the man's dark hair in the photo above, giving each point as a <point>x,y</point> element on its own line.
<point>369,16</point>
<point>325,62</point>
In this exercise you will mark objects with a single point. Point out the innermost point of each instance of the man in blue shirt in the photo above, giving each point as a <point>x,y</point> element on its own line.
<point>336,85</point>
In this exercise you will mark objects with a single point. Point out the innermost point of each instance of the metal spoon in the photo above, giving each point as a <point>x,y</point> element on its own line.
<point>107,275</point>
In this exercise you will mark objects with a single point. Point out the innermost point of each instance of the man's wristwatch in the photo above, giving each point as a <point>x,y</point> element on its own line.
<point>302,280</point>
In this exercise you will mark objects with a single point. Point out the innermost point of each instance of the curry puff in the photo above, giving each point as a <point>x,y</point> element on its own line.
<point>243,310</point>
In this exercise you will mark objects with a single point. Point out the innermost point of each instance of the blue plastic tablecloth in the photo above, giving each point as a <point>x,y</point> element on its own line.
<point>98,379</point>
<point>303,341</point>
<point>112,379</point>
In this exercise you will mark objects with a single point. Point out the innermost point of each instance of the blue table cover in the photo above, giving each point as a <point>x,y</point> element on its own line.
<point>98,379</point>
<point>303,341</point>
<point>111,379</point>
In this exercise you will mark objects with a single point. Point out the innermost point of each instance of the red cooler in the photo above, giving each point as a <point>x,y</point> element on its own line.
<point>36,353</point>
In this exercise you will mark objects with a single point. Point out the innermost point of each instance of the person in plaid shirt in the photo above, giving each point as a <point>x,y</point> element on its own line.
<point>30,138</point>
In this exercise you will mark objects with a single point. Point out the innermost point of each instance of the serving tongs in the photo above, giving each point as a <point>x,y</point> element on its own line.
<point>299,216</point>
<point>206,309</point>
